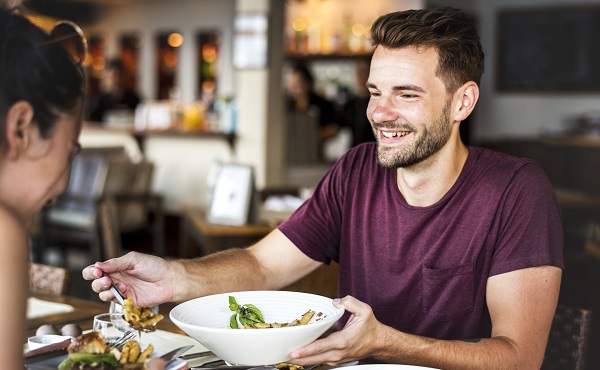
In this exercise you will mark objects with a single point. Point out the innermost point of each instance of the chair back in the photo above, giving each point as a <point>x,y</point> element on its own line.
<point>77,206</point>
<point>48,279</point>
<point>134,180</point>
<point>568,339</point>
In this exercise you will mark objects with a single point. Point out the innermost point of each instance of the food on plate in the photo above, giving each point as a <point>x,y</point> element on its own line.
<point>251,318</point>
<point>286,366</point>
<point>132,354</point>
<point>47,329</point>
<point>71,330</point>
<point>90,352</point>
<point>140,318</point>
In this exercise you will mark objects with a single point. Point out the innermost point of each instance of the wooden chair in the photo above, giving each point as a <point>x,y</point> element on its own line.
<point>568,339</point>
<point>48,279</point>
<point>108,194</point>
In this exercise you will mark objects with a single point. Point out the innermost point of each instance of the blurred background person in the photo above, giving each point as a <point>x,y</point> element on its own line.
<point>354,112</point>
<point>302,98</point>
<point>41,109</point>
<point>114,95</point>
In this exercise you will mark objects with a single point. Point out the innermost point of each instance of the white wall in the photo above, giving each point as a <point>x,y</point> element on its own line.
<point>517,115</point>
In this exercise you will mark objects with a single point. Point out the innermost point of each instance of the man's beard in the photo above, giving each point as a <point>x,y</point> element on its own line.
<point>431,141</point>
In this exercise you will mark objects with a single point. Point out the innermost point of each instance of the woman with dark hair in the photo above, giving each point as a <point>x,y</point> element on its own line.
<point>41,108</point>
<point>41,100</point>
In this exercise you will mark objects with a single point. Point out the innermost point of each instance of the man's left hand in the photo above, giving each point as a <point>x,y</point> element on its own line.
<point>358,339</point>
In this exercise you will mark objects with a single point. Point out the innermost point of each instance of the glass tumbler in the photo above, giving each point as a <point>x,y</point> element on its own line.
<point>111,325</point>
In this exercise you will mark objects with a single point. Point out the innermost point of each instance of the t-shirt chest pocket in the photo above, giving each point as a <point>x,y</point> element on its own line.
<point>448,292</point>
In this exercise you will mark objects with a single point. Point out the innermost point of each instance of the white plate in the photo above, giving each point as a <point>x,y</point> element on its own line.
<point>388,366</point>
<point>52,363</point>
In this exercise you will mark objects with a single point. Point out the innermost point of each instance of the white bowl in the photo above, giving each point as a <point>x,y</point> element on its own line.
<point>207,320</point>
<point>44,340</point>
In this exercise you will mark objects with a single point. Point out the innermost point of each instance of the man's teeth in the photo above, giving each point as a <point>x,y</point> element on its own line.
<point>390,135</point>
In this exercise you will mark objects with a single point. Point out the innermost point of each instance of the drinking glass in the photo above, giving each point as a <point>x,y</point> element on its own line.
<point>111,326</point>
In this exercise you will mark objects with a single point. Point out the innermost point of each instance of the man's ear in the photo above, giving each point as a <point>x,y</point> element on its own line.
<point>18,128</point>
<point>465,100</point>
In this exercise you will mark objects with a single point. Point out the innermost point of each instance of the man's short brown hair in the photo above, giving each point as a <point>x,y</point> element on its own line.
<point>447,30</point>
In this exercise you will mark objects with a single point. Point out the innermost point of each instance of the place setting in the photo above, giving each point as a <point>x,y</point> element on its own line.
<point>246,330</point>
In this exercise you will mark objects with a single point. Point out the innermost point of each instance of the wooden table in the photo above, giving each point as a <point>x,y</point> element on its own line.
<point>210,238</point>
<point>84,313</point>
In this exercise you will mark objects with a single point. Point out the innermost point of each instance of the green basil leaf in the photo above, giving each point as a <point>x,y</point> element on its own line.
<point>233,322</point>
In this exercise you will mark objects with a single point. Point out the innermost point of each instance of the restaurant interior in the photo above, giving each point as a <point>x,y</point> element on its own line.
<point>212,78</point>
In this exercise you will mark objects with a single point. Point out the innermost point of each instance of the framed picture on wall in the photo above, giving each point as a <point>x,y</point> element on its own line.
<point>250,41</point>
<point>232,197</point>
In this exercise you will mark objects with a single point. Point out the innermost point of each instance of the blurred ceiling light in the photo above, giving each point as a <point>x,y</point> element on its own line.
<point>299,24</point>
<point>175,40</point>
<point>170,59</point>
<point>358,29</point>
<point>98,63</point>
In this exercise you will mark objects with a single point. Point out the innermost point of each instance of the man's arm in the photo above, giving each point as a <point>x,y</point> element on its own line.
<point>272,263</point>
<point>521,305</point>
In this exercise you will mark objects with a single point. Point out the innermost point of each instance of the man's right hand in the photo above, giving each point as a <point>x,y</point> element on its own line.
<point>147,279</point>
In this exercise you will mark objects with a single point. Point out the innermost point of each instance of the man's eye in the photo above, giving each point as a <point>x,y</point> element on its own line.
<point>373,93</point>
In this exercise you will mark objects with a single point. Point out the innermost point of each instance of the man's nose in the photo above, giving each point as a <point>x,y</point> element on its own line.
<point>383,112</point>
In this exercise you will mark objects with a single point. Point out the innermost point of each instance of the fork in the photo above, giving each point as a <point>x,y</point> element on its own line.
<point>119,342</point>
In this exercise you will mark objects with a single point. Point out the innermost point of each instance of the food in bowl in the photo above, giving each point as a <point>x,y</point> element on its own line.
<point>207,319</point>
<point>250,317</point>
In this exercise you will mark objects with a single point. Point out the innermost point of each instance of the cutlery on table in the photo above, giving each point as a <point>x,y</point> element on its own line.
<point>171,356</point>
<point>191,356</point>
<point>120,342</point>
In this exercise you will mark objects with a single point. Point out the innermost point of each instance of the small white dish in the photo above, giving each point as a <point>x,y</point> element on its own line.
<point>44,340</point>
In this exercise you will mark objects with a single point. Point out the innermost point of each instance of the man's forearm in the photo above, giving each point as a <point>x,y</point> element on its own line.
<point>226,271</point>
<point>488,353</point>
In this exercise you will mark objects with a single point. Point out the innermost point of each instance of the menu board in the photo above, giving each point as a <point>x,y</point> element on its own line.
<point>548,49</point>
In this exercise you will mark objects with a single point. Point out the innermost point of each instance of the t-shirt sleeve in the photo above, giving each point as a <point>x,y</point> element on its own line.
<point>315,227</point>
<point>531,231</point>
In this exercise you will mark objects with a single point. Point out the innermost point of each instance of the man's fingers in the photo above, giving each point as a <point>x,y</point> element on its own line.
<point>351,304</point>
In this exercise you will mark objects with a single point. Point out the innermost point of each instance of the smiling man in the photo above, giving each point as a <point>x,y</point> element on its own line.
<point>450,256</point>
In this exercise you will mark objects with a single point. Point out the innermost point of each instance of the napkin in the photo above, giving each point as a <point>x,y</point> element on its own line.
<point>38,308</point>
<point>165,341</point>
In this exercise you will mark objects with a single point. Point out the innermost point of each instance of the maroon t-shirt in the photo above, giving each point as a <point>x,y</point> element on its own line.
<point>424,270</point>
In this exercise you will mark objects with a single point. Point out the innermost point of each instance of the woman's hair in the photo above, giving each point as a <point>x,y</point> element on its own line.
<point>447,30</point>
<point>35,69</point>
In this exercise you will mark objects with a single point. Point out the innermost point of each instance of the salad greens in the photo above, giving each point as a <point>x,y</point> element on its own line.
<point>246,315</point>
